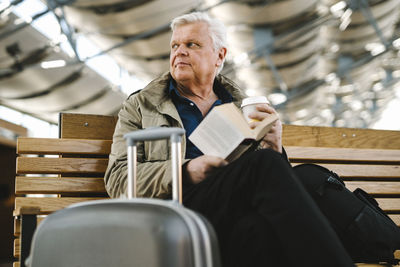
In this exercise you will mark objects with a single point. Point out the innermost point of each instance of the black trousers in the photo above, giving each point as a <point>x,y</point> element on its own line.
<point>263,216</point>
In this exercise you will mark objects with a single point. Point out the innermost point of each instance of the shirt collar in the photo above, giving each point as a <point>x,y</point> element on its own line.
<point>219,90</point>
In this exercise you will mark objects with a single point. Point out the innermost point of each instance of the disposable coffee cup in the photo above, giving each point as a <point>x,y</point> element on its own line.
<point>249,105</point>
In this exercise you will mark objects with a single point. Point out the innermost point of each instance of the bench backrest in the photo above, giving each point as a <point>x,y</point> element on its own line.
<point>364,158</point>
<point>54,173</point>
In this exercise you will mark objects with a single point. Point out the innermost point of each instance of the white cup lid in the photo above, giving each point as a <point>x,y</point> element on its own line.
<point>254,100</point>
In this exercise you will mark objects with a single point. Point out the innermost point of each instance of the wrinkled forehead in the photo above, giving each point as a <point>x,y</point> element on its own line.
<point>191,31</point>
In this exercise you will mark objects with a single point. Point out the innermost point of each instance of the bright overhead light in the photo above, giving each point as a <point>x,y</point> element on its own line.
<point>375,48</point>
<point>396,43</point>
<point>330,77</point>
<point>277,98</point>
<point>19,21</point>
<point>338,7</point>
<point>61,38</point>
<point>302,113</point>
<point>242,58</point>
<point>251,92</point>
<point>345,19</point>
<point>4,5</point>
<point>53,64</point>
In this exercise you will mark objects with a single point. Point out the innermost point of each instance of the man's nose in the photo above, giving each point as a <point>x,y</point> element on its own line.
<point>181,50</point>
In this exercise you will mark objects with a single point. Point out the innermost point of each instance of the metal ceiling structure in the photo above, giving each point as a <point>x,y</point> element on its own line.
<point>320,62</point>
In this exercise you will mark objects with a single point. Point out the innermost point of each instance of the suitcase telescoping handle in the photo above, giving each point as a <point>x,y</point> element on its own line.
<point>150,134</point>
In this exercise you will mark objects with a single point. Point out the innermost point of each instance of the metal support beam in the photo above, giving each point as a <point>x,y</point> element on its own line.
<point>363,6</point>
<point>66,28</point>
<point>264,39</point>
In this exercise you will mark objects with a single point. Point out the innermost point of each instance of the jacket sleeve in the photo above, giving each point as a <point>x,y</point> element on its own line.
<point>153,177</point>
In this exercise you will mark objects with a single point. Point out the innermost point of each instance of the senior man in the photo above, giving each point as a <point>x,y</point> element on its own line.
<point>261,213</point>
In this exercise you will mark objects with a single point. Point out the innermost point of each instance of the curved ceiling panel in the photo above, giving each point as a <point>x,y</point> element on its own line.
<point>235,12</point>
<point>155,46</point>
<point>364,29</point>
<point>108,103</point>
<point>145,69</point>
<point>145,17</point>
<point>354,46</point>
<point>33,39</point>
<point>293,75</point>
<point>242,40</point>
<point>24,50</point>
<point>108,4</point>
<point>335,63</point>
<point>303,109</point>
<point>285,56</point>
<point>87,86</point>
<point>304,50</point>
<point>35,79</point>
<point>27,86</point>
<point>331,75</point>
<point>377,9</point>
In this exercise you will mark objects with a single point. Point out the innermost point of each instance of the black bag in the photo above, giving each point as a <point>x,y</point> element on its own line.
<point>366,232</point>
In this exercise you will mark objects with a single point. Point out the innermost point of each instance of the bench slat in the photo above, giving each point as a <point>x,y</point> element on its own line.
<point>316,154</point>
<point>55,185</point>
<point>50,204</point>
<point>38,165</point>
<point>395,218</point>
<point>375,188</point>
<point>319,136</point>
<point>17,222</point>
<point>389,205</point>
<point>86,126</point>
<point>52,146</point>
<point>372,265</point>
<point>363,171</point>
<point>17,247</point>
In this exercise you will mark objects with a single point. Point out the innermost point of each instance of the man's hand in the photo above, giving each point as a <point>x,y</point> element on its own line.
<point>198,168</point>
<point>273,139</point>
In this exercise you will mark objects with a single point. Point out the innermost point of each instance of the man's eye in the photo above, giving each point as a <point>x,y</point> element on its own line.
<point>174,46</point>
<point>191,44</point>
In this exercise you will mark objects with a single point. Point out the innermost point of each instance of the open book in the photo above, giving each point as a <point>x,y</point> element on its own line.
<point>225,133</point>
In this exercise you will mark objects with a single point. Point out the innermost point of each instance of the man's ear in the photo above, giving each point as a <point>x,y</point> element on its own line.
<point>221,56</point>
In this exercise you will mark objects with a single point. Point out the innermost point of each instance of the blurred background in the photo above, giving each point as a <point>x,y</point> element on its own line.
<point>327,62</point>
<point>319,62</point>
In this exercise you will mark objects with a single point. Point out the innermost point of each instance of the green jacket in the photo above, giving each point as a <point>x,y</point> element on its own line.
<point>149,107</point>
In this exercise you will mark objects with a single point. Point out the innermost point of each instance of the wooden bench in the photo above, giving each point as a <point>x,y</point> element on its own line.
<point>54,173</point>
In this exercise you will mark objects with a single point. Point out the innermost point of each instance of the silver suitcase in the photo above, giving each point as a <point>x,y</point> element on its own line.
<point>129,232</point>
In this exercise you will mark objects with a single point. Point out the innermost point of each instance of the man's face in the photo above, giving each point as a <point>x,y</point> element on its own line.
<point>192,57</point>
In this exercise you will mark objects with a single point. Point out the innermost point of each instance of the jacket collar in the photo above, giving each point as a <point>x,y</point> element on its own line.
<point>157,94</point>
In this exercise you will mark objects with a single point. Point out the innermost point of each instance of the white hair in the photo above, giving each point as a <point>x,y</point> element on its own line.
<point>216,28</point>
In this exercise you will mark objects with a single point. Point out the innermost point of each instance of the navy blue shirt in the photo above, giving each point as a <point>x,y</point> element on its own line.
<point>191,115</point>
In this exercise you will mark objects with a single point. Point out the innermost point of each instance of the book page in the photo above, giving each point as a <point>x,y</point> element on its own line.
<point>224,128</point>
<point>216,135</point>
<point>235,116</point>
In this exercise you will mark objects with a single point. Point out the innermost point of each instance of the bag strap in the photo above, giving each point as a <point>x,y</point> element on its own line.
<point>370,201</point>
